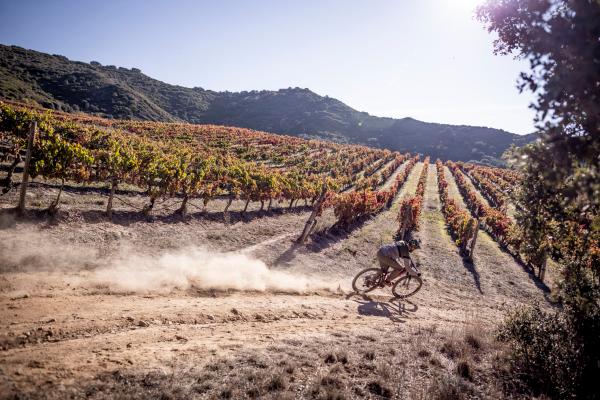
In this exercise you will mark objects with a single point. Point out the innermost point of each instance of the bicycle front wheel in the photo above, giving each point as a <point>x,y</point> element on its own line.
<point>406,286</point>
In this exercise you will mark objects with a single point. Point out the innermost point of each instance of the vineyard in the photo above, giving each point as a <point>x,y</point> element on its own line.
<point>202,162</point>
<point>207,162</point>
<point>243,240</point>
<point>495,220</point>
<point>108,219</point>
<point>160,241</point>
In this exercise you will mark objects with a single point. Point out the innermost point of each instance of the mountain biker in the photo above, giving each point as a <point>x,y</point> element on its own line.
<point>397,256</point>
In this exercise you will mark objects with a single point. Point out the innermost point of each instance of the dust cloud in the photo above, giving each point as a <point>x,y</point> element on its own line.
<point>128,270</point>
<point>32,251</point>
<point>202,269</point>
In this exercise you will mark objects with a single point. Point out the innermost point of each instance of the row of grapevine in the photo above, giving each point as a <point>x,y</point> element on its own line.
<point>352,206</point>
<point>410,207</point>
<point>491,186</point>
<point>378,179</point>
<point>496,222</point>
<point>500,226</point>
<point>190,161</point>
<point>536,253</point>
<point>371,169</point>
<point>461,225</point>
<point>510,176</point>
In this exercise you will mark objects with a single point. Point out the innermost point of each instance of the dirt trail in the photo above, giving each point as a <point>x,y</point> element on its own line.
<point>62,337</point>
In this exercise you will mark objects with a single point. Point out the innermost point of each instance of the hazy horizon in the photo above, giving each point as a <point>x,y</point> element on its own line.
<point>427,60</point>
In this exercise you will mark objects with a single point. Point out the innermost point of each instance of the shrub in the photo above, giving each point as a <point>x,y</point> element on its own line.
<point>446,387</point>
<point>450,349</point>
<point>463,369</point>
<point>276,383</point>
<point>554,353</point>
<point>330,358</point>
<point>472,340</point>
<point>379,390</point>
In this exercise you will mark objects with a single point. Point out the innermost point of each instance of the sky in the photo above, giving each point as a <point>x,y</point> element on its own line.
<point>426,59</point>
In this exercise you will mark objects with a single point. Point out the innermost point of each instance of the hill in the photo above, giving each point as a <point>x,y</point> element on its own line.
<point>56,82</point>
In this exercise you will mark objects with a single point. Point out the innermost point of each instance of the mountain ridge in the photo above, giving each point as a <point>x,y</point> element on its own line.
<point>56,82</point>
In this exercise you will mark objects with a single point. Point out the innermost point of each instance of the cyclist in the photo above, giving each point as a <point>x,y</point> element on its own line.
<point>397,256</point>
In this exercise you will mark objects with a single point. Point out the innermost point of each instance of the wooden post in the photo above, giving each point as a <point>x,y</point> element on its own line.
<point>25,180</point>
<point>312,228</point>
<point>542,270</point>
<point>474,240</point>
<point>113,188</point>
<point>311,222</point>
<point>406,220</point>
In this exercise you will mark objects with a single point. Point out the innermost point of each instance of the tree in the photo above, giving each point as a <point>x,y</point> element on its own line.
<point>559,38</point>
<point>558,202</point>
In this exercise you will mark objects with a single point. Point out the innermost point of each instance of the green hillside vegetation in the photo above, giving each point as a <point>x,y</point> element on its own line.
<point>55,82</point>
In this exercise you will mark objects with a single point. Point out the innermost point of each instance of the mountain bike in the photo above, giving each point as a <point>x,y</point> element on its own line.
<point>372,278</point>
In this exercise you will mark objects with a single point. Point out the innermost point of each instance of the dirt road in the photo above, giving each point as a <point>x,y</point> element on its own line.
<point>70,330</point>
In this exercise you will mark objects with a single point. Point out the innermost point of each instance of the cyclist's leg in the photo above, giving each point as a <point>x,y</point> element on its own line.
<point>397,269</point>
<point>383,263</point>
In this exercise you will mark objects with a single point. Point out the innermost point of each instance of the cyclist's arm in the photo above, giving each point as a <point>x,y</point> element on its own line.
<point>410,266</point>
<point>403,261</point>
<point>406,261</point>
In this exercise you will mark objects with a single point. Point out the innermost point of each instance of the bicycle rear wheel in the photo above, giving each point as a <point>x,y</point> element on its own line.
<point>406,286</point>
<point>367,280</point>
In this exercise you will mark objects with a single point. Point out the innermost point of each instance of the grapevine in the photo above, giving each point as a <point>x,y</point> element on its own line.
<point>410,207</point>
<point>190,161</point>
<point>461,225</point>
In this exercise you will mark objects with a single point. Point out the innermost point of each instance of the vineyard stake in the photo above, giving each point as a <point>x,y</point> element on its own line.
<point>113,187</point>
<point>474,240</point>
<point>405,221</point>
<point>310,223</point>
<point>25,180</point>
<point>542,268</point>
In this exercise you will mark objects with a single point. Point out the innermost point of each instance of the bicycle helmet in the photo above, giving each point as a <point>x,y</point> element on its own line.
<point>416,243</point>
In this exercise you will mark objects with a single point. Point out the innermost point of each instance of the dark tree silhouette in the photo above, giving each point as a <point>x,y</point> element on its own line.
<point>557,206</point>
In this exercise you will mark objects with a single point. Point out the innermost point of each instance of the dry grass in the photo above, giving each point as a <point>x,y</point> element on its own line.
<point>415,363</point>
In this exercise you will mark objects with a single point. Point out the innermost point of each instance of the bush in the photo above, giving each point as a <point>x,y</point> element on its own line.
<point>276,383</point>
<point>464,370</point>
<point>446,387</point>
<point>555,353</point>
<point>379,390</point>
